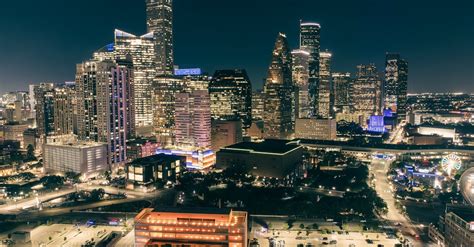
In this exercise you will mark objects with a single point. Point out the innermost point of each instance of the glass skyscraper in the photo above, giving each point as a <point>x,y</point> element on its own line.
<point>310,42</point>
<point>160,21</point>
<point>396,84</point>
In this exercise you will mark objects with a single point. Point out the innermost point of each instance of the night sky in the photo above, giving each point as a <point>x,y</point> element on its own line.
<point>43,40</point>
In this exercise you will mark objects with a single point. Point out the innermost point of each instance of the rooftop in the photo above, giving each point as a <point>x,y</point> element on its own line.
<point>267,146</point>
<point>157,158</point>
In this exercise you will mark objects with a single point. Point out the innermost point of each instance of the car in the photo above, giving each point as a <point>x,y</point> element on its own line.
<point>333,242</point>
<point>325,238</point>
<point>352,245</point>
<point>369,241</point>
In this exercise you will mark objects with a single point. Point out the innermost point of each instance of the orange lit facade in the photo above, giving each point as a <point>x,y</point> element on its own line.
<point>183,229</point>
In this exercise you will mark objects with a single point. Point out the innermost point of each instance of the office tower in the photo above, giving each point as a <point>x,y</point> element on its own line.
<point>279,108</point>
<point>193,119</point>
<point>325,96</point>
<point>310,42</point>
<point>316,129</point>
<point>300,75</point>
<point>141,49</point>
<point>44,99</point>
<point>105,105</point>
<point>258,105</point>
<point>32,102</point>
<point>342,84</point>
<point>231,96</point>
<point>160,21</point>
<point>396,83</point>
<point>367,91</point>
<point>164,94</point>
<point>63,108</point>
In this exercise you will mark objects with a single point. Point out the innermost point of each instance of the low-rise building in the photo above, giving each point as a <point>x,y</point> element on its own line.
<point>151,169</point>
<point>86,158</point>
<point>191,227</point>
<point>141,148</point>
<point>269,158</point>
<point>13,132</point>
<point>316,129</point>
<point>456,227</point>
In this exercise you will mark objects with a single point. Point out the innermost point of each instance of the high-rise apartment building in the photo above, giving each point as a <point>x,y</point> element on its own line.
<point>141,50</point>
<point>160,21</point>
<point>310,42</point>
<point>342,84</point>
<point>44,108</point>
<point>105,105</point>
<point>325,95</point>
<point>63,108</point>
<point>300,74</point>
<point>279,108</point>
<point>396,84</point>
<point>367,97</point>
<point>231,96</point>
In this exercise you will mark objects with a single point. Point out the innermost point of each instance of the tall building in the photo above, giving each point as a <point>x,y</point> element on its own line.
<point>310,42</point>
<point>300,74</point>
<point>160,21</point>
<point>325,96</point>
<point>105,105</point>
<point>231,96</point>
<point>141,49</point>
<point>367,91</point>
<point>225,133</point>
<point>193,119</point>
<point>63,108</point>
<point>258,105</point>
<point>342,84</point>
<point>164,94</point>
<point>396,84</point>
<point>316,129</point>
<point>44,103</point>
<point>279,108</point>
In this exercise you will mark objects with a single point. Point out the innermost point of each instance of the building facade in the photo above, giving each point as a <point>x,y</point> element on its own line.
<point>325,95</point>
<point>44,103</point>
<point>396,85</point>
<point>343,90</point>
<point>367,97</point>
<point>155,168</point>
<point>231,96</point>
<point>300,74</point>
<point>186,227</point>
<point>159,19</point>
<point>310,41</point>
<point>316,129</point>
<point>280,94</point>
<point>225,133</point>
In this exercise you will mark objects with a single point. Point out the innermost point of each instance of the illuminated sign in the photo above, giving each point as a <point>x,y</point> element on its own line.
<point>184,72</point>
<point>451,163</point>
<point>377,124</point>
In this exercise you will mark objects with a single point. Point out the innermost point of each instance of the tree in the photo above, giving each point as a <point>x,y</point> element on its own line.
<point>30,153</point>
<point>73,177</point>
<point>52,181</point>
<point>96,195</point>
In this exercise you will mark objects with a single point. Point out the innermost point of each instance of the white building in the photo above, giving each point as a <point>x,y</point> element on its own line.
<point>316,129</point>
<point>86,158</point>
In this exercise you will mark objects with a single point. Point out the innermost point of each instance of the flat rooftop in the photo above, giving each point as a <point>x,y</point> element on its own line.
<point>267,146</point>
<point>157,158</point>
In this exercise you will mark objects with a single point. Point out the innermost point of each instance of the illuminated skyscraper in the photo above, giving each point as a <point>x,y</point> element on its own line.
<point>396,83</point>
<point>44,107</point>
<point>193,119</point>
<point>231,96</point>
<point>325,100</point>
<point>367,91</point>
<point>105,105</point>
<point>258,105</point>
<point>342,83</point>
<point>300,74</point>
<point>165,91</point>
<point>64,106</point>
<point>142,51</point>
<point>279,114</point>
<point>160,21</point>
<point>310,42</point>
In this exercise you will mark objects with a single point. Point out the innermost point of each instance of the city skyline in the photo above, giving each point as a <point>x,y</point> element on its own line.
<point>63,39</point>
